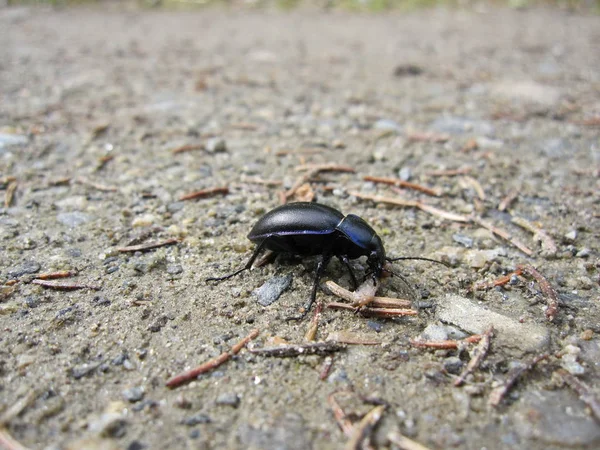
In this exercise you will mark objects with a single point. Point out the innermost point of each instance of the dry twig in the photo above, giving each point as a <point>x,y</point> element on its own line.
<point>483,286</point>
<point>326,368</point>
<point>404,443</point>
<point>405,184</point>
<point>373,312</point>
<point>479,354</point>
<point>548,245</point>
<point>412,204</point>
<point>473,183</point>
<point>514,374</point>
<point>205,193</point>
<point>187,148</point>
<point>312,171</point>
<point>7,442</point>
<point>17,408</point>
<point>506,201</point>
<point>503,234</point>
<point>212,364</point>
<point>311,348</point>
<point>450,344</point>
<point>547,290</point>
<point>340,416</point>
<point>585,393</point>
<point>9,195</point>
<point>364,428</point>
<point>55,275</point>
<point>311,333</point>
<point>61,286</point>
<point>147,246</point>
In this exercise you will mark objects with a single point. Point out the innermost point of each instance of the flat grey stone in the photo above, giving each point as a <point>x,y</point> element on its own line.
<point>269,292</point>
<point>541,416</point>
<point>509,332</point>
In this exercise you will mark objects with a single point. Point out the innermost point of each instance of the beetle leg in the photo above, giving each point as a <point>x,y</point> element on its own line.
<point>321,266</point>
<point>344,260</point>
<point>246,267</point>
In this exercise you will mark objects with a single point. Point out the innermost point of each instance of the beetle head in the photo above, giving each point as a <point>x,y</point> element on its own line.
<point>376,258</point>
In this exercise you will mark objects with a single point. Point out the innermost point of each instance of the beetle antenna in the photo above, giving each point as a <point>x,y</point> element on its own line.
<point>404,280</point>
<point>417,258</point>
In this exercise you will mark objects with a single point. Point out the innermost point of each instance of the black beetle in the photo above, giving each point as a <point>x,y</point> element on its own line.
<point>310,229</point>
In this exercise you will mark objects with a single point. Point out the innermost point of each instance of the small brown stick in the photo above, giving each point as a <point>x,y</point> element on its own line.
<point>7,442</point>
<point>326,368</point>
<point>17,408</point>
<point>97,186</point>
<point>304,193</point>
<point>147,246</point>
<point>405,184</point>
<point>364,428</point>
<point>327,167</point>
<point>404,443</point>
<point>204,193</point>
<point>427,136</point>
<point>503,234</point>
<point>311,333</point>
<point>479,354</point>
<point>585,393</point>
<point>472,182</point>
<point>64,286</point>
<point>304,151</point>
<point>388,302</point>
<point>212,364</point>
<point>312,348</point>
<point>313,170</point>
<point>498,282</point>
<point>55,275</point>
<point>103,160</point>
<point>449,172</point>
<point>547,290</point>
<point>506,201</point>
<point>450,344</point>
<point>514,374</point>
<point>60,182</point>
<point>363,295</point>
<point>412,204</point>
<point>373,312</point>
<point>187,148</point>
<point>340,416</point>
<point>9,195</point>
<point>548,244</point>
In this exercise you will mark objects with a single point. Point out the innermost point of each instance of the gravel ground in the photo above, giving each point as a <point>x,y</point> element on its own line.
<point>497,111</point>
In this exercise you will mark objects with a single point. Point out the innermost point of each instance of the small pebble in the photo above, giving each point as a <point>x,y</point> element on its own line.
<point>134,394</point>
<point>453,365</point>
<point>272,289</point>
<point>73,219</point>
<point>463,240</point>
<point>405,173</point>
<point>376,326</point>
<point>174,269</point>
<point>81,371</point>
<point>216,145</point>
<point>228,399</point>
<point>195,420</point>
<point>587,335</point>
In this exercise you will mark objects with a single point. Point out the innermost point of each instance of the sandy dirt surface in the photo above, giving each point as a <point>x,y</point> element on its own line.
<point>497,111</point>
